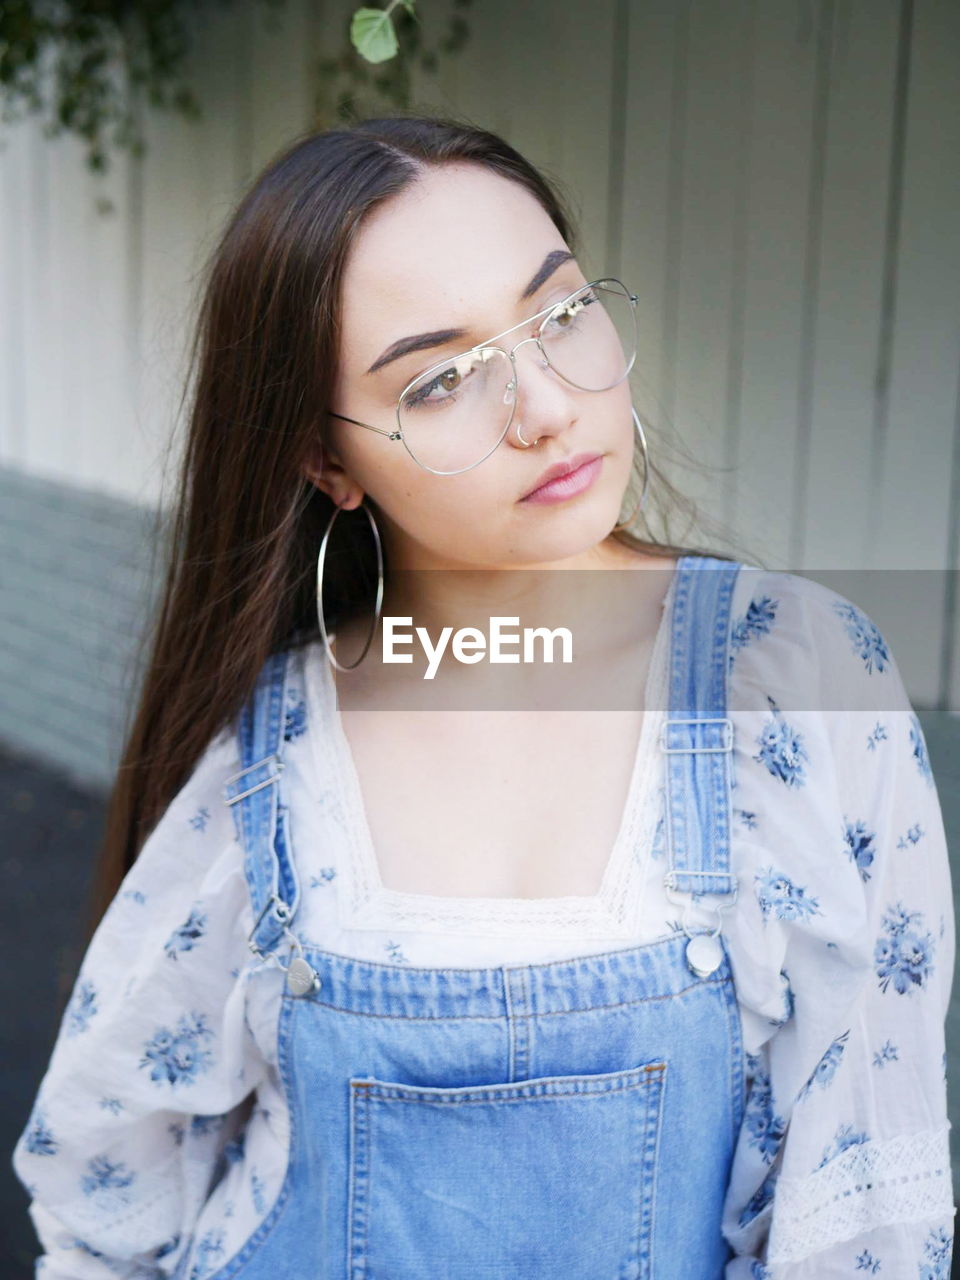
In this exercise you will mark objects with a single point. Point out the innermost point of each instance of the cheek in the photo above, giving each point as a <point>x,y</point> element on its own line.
<point>444,511</point>
<point>627,437</point>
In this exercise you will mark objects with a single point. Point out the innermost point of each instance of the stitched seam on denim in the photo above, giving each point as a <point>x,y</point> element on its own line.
<point>358,1219</point>
<point>499,1017</point>
<point>737,1059</point>
<point>526,1090</point>
<point>657,1101</point>
<point>504,1102</point>
<point>250,1246</point>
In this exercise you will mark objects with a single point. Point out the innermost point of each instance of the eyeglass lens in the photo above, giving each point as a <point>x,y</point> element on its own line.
<point>457,413</point>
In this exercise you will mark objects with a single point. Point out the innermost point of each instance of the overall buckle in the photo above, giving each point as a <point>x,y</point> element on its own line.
<point>266,782</point>
<point>721,720</point>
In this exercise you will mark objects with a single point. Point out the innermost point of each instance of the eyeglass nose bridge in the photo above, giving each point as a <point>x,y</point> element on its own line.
<point>512,384</point>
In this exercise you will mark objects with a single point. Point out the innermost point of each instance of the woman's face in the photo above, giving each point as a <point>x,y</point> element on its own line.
<point>455,251</point>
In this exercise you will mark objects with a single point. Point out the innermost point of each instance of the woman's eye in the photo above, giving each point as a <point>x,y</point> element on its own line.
<point>447,381</point>
<point>566,316</point>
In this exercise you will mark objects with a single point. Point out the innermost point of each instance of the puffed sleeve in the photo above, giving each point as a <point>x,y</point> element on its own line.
<point>842,946</point>
<point>153,1057</point>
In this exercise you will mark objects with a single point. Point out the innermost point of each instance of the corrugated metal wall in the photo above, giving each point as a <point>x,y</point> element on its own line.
<point>779,181</point>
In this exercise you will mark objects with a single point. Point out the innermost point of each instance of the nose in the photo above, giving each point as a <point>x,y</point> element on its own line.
<point>539,425</point>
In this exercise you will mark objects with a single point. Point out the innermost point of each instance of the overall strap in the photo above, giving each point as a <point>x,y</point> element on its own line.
<point>259,815</point>
<point>697,735</point>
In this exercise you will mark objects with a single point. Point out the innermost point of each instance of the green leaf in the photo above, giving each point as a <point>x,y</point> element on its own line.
<point>372,35</point>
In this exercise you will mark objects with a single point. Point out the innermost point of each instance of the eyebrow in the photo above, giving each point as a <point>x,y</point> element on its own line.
<point>424,341</point>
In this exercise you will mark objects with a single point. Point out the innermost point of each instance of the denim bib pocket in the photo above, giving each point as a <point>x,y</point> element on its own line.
<point>553,1176</point>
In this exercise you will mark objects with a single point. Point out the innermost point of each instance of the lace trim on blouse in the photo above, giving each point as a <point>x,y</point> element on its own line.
<point>870,1184</point>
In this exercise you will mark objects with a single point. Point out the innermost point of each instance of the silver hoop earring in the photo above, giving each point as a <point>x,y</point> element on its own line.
<point>526,443</point>
<point>622,524</point>
<point>379,605</point>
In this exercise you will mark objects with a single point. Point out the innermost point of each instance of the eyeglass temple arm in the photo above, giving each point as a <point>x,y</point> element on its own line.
<point>393,435</point>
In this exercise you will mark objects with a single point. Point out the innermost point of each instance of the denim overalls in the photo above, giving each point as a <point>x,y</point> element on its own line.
<point>573,1120</point>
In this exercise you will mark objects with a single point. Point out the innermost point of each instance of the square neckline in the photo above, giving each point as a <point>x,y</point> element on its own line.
<point>366,902</point>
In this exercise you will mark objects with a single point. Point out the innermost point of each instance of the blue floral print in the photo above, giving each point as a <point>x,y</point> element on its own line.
<point>177,1057</point>
<point>826,1068</point>
<point>657,846</point>
<point>918,746</point>
<point>937,1255</point>
<point>789,1003</point>
<point>82,1008</point>
<point>886,1053</point>
<point>859,842</point>
<point>782,750</point>
<point>186,935</point>
<point>788,901</point>
<point>868,643</point>
<point>904,954</point>
<point>295,722</point>
<point>846,1136</point>
<point>200,1125</point>
<point>867,1262</point>
<point>759,1200</point>
<point>326,875</point>
<point>762,1123</point>
<point>209,1253</point>
<point>39,1139</point>
<point>108,1181</point>
<point>877,734</point>
<point>914,836</point>
<point>757,621</point>
<point>200,819</point>
<point>233,1151</point>
<point>88,1249</point>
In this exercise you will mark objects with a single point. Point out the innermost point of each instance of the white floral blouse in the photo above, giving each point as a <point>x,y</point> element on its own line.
<point>159,1134</point>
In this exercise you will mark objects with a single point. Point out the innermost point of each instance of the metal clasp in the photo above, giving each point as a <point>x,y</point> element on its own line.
<point>282,914</point>
<point>274,777</point>
<point>301,976</point>
<point>727,740</point>
<point>685,899</point>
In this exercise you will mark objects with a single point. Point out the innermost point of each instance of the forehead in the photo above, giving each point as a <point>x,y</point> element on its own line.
<point>458,244</point>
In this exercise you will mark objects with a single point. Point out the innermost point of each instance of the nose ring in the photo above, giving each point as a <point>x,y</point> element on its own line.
<point>544,364</point>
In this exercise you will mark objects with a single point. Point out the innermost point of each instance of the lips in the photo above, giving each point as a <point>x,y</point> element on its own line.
<point>564,468</point>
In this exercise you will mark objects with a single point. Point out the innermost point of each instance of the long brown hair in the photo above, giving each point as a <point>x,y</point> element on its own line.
<point>238,552</point>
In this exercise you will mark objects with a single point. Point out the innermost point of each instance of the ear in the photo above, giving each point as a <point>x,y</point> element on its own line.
<point>324,470</point>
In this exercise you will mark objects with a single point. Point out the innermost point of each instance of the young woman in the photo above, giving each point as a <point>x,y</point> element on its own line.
<point>653,986</point>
